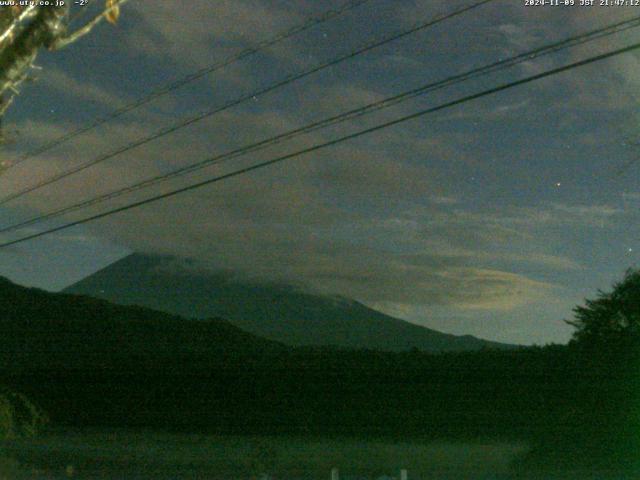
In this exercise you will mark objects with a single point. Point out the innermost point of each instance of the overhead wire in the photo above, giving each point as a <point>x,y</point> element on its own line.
<point>376,43</point>
<point>191,77</point>
<point>320,146</point>
<point>336,119</point>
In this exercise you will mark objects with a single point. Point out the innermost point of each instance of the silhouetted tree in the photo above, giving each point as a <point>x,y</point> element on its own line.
<point>613,318</point>
<point>605,392</point>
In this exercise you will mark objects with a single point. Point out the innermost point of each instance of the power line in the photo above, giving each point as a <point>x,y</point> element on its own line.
<point>201,116</point>
<point>309,23</point>
<point>349,115</point>
<point>330,143</point>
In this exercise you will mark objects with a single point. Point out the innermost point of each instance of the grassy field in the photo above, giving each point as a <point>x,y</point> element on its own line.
<point>143,455</point>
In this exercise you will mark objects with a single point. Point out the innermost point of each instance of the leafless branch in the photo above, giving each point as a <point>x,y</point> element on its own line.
<point>81,32</point>
<point>26,30</point>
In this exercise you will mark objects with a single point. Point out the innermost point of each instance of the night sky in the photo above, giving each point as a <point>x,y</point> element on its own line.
<point>493,218</point>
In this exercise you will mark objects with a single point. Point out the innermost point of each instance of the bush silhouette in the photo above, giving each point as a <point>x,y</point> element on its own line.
<point>18,416</point>
<point>613,318</point>
<point>604,396</point>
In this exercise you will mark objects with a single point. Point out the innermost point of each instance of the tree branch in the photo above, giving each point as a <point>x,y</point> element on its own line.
<point>81,32</point>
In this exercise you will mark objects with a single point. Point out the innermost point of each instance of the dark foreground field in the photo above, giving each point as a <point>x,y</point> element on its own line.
<point>152,455</point>
<point>75,364</point>
<point>149,455</point>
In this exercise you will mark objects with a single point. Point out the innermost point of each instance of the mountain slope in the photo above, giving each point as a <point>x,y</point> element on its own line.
<point>90,363</point>
<point>52,330</point>
<point>278,313</point>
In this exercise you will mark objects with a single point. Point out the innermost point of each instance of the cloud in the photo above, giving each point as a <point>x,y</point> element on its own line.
<point>187,33</point>
<point>301,254</point>
<point>585,213</point>
<point>80,90</point>
<point>353,220</point>
<point>631,196</point>
<point>390,219</point>
<point>513,219</point>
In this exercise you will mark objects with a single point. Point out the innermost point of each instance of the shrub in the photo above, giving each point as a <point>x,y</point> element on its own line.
<point>18,416</point>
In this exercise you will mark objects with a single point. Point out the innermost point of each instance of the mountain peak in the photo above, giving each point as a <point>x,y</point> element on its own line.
<point>276,312</point>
